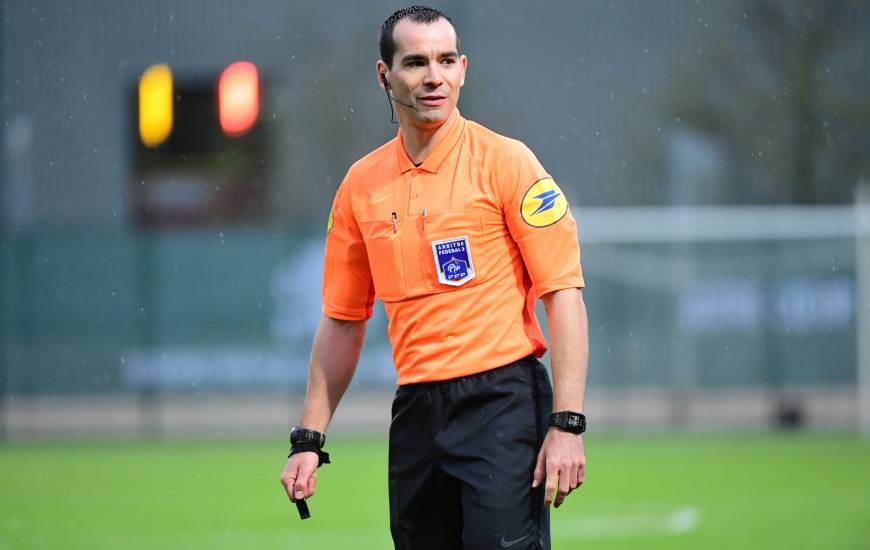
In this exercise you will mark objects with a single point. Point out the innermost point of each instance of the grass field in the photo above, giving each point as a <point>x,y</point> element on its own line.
<point>746,491</point>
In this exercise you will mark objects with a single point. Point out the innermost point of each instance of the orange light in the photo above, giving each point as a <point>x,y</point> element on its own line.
<point>238,98</point>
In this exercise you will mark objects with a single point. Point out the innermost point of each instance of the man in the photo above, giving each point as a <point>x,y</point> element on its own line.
<point>457,230</point>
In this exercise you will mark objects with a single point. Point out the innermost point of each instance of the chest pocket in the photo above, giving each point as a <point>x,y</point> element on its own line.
<point>384,249</point>
<point>451,255</point>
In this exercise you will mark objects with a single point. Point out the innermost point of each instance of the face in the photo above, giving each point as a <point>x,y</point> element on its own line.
<point>427,72</point>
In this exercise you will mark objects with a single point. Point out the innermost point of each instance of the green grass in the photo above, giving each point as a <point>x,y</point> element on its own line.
<point>753,491</point>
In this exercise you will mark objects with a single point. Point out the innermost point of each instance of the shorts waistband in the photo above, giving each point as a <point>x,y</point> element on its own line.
<point>529,360</point>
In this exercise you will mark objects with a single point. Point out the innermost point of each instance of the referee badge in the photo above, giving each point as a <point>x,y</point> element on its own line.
<point>453,261</point>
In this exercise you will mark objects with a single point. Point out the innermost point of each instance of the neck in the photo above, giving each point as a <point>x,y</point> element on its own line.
<point>419,142</point>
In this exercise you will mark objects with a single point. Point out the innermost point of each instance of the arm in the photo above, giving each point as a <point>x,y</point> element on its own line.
<point>562,460</point>
<point>334,355</point>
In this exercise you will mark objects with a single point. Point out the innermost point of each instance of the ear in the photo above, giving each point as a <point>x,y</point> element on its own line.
<point>463,61</point>
<point>382,71</point>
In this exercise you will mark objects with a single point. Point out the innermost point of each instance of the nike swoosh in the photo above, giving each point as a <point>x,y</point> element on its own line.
<point>509,543</point>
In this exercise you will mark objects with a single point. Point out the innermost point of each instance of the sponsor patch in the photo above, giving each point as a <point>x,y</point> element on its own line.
<point>453,261</point>
<point>543,204</point>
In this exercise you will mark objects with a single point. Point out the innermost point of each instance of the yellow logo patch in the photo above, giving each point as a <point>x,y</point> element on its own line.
<point>543,204</point>
<point>329,223</point>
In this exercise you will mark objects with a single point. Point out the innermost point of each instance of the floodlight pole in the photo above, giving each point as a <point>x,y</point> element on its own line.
<point>6,258</point>
<point>5,315</point>
<point>862,283</point>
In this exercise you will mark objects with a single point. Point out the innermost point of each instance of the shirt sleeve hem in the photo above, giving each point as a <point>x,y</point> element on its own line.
<point>347,314</point>
<point>571,281</point>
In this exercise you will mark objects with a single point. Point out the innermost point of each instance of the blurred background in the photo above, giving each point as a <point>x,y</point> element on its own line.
<point>168,169</point>
<point>167,173</point>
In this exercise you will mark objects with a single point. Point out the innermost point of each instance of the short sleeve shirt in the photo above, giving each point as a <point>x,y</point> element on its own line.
<point>458,249</point>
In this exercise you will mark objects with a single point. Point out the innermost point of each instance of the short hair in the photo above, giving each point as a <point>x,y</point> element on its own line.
<point>417,14</point>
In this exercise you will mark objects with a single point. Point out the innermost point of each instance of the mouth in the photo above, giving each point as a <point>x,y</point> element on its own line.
<point>433,100</point>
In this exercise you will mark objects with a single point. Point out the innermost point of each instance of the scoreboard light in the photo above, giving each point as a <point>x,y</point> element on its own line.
<point>155,105</point>
<point>238,98</point>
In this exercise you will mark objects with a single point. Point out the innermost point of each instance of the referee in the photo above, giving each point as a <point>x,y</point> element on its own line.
<point>458,230</point>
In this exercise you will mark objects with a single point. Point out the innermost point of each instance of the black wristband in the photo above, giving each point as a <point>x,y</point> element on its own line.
<point>311,446</point>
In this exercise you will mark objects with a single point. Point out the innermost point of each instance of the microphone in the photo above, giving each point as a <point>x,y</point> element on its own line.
<point>392,97</point>
<point>401,103</point>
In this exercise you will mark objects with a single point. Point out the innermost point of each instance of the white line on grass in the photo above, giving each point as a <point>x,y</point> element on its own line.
<point>677,522</point>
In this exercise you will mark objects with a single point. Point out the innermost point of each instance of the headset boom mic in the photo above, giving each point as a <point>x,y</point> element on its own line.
<point>401,103</point>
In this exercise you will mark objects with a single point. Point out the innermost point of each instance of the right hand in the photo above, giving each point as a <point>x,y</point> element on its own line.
<point>299,477</point>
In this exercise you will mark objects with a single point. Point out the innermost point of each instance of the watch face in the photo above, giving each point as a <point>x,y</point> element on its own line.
<point>569,421</point>
<point>300,435</point>
<point>303,435</point>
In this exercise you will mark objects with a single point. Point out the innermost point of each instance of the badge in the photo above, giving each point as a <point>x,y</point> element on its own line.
<point>453,261</point>
<point>543,204</point>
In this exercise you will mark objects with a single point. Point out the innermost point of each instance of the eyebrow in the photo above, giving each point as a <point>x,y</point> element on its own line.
<point>421,57</point>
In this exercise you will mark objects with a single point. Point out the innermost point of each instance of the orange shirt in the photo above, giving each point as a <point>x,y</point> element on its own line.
<point>457,249</point>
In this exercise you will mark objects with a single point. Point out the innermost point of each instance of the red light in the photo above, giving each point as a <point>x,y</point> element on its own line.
<point>238,98</point>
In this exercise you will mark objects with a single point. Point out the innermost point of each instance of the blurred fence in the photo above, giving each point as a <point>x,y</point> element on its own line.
<point>746,317</point>
<point>747,303</point>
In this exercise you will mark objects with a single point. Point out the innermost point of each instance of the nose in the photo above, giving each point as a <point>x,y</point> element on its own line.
<point>433,75</point>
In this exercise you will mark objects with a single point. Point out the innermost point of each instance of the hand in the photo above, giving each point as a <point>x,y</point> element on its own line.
<point>563,461</point>
<point>299,477</point>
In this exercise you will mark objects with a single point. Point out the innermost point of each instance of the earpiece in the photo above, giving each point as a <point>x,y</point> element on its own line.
<point>391,98</point>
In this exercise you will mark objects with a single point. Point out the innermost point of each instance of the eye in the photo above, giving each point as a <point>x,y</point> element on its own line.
<point>448,61</point>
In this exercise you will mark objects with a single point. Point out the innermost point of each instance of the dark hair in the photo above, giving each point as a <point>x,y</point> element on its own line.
<point>417,14</point>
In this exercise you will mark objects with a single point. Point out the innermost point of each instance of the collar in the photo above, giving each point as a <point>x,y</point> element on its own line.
<point>439,153</point>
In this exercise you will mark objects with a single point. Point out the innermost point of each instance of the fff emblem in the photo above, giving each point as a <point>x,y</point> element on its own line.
<point>453,261</point>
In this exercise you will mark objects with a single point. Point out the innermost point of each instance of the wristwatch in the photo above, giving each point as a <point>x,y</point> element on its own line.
<point>304,436</point>
<point>569,421</point>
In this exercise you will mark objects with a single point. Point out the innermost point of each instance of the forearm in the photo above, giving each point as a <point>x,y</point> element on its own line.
<point>334,356</point>
<point>569,347</point>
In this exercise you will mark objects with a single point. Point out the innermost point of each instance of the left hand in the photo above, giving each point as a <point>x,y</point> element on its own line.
<point>562,463</point>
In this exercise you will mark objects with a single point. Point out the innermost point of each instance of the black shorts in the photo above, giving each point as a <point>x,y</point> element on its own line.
<point>462,456</point>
